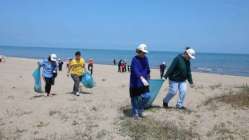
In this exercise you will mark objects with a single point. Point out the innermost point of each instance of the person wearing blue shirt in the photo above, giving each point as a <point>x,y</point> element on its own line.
<point>139,85</point>
<point>49,72</point>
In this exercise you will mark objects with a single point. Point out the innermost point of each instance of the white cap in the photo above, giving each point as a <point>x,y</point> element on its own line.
<point>191,53</point>
<point>142,47</point>
<point>164,62</point>
<point>53,57</point>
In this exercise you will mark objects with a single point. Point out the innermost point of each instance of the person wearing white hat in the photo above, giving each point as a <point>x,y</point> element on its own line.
<point>139,81</point>
<point>49,72</point>
<point>178,72</point>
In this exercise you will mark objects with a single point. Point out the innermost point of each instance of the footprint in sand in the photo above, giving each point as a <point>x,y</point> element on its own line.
<point>42,124</point>
<point>103,79</point>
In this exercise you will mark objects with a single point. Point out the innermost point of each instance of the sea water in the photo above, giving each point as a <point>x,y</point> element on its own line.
<point>232,64</point>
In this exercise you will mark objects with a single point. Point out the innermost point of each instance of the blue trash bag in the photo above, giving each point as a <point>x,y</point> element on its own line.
<point>37,77</point>
<point>87,80</point>
<point>155,86</point>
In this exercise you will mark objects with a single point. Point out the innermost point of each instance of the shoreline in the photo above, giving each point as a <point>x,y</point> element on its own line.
<point>195,72</point>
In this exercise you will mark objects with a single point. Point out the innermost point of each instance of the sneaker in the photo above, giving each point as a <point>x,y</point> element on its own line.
<point>136,117</point>
<point>181,108</point>
<point>165,105</point>
<point>77,94</point>
<point>142,115</point>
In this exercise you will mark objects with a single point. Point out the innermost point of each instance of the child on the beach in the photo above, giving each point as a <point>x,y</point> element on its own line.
<point>139,85</point>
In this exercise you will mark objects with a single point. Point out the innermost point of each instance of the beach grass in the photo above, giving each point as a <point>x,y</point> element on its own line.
<point>239,99</point>
<point>149,129</point>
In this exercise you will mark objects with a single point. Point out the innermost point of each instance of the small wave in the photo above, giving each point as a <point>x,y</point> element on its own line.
<point>202,69</point>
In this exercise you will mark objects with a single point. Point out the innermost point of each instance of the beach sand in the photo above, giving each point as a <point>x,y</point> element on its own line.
<point>102,112</point>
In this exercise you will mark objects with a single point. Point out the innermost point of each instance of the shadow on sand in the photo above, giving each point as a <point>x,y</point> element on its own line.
<point>128,112</point>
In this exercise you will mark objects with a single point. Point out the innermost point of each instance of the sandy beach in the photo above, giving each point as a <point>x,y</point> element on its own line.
<point>103,112</point>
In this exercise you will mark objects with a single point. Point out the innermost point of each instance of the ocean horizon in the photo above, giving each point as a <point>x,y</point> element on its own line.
<point>220,63</point>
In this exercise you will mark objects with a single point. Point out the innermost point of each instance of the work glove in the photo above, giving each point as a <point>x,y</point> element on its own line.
<point>144,81</point>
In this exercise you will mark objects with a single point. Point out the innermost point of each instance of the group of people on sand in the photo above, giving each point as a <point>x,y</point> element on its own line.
<point>178,72</point>
<point>123,66</point>
<point>76,69</point>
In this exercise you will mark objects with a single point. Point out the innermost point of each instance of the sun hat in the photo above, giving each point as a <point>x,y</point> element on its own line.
<point>143,47</point>
<point>191,53</point>
<point>53,57</point>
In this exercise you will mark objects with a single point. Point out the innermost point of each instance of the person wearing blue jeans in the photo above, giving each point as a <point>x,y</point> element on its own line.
<point>139,103</point>
<point>174,87</point>
<point>139,85</point>
<point>178,72</point>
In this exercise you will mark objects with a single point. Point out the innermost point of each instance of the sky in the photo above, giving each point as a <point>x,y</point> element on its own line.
<point>219,26</point>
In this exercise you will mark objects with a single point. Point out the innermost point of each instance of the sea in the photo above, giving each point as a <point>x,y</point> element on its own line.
<point>229,64</point>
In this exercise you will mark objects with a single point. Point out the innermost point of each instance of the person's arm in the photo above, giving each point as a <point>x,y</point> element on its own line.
<point>40,63</point>
<point>147,69</point>
<point>171,68</point>
<point>139,74</point>
<point>189,74</point>
<point>69,68</point>
<point>55,68</point>
<point>134,68</point>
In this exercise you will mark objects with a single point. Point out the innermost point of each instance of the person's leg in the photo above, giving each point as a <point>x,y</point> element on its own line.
<point>182,93</point>
<point>76,80</point>
<point>145,99</point>
<point>48,85</point>
<point>134,106</point>
<point>173,87</point>
<point>91,69</point>
<point>161,74</point>
<point>88,67</point>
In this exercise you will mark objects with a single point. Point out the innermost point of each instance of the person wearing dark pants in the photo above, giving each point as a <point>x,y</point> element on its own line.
<point>162,69</point>
<point>119,65</point>
<point>76,69</point>
<point>48,85</point>
<point>76,80</point>
<point>60,63</point>
<point>90,65</point>
<point>49,72</point>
